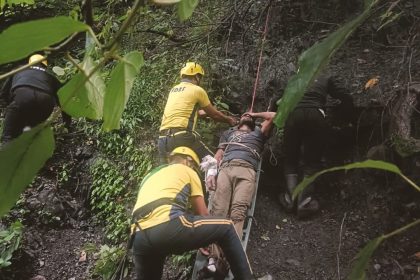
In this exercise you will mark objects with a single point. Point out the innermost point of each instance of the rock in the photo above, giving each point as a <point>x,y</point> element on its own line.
<point>410,206</point>
<point>266,277</point>
<point>377,266</point>
<point>85,152</point>
<point>38,277</point>
<point>293,262</point>
<point>41,263</point>
<point>291,68</point>
<point>379,152</point>
<point>415,87</point>
<point>265,237</point>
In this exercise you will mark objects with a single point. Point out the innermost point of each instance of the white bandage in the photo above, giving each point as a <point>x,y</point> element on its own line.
<point>209,166</point>
<point>208,162</point>
<point>211,172</point>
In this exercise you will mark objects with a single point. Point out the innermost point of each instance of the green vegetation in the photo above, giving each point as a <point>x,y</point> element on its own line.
<point>82,96</point>
<point>404,147</point>
<point>87,95</point>
<point>108,260</point>
<point>9,243</point>
<point>128,92</point>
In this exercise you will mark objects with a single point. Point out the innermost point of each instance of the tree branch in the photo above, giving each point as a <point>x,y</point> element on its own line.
<point>131,17</point>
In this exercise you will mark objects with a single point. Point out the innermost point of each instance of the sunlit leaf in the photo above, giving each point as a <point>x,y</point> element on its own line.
<point>166,2</point>
<point>376,164</point>
<point>312,61</point>
<point>119,88</point>
<point>20,160</point>
<point>371,83</point>
<point>58,70</point>
<point>186,8</point>
<point>83,97</point>
<point>35,35</point>
<point>362,259</point>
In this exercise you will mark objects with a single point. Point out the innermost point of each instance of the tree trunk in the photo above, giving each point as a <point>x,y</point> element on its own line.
<point>401,121</point>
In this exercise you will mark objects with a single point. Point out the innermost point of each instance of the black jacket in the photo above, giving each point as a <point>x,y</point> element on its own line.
<point>324,85</point>
<point>36,77</point>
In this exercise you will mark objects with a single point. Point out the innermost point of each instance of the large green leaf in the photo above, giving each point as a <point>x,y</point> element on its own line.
<point>119,88</point>
<point>186,8</point>
<point>83,95</point>
<point>22,39</point>
<point>376,164</point>
<point>20,160</point>
<point>362,259</point>
<point>311,63</point>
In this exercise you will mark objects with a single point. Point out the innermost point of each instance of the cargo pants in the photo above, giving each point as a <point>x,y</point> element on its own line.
<point>234,192</point>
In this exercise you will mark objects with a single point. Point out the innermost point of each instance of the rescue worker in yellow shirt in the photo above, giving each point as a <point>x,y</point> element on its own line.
<point>163,226</point>
<point>187,101</point>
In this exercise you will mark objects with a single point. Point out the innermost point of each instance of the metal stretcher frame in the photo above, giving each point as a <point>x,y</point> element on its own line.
<point>201,260</point>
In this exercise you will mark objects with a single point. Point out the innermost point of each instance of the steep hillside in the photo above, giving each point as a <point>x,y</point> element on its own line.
<point>81,200</point>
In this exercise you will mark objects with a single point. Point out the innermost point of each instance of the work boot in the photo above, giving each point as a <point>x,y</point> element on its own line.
<point>307,205</point>
<point>285,199</point>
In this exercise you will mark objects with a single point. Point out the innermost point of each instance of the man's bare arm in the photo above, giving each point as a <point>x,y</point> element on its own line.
<point>216,115</point>
<point>199,206</point>
<point>267,124</point>
<point>219,155</point>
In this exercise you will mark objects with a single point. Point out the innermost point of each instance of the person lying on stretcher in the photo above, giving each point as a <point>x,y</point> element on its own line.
<point>238,157</point>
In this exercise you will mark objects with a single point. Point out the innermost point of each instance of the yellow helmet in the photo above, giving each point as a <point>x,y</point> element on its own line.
<point>191,69</point>
<point>38,57</point>
<point>186,152</point>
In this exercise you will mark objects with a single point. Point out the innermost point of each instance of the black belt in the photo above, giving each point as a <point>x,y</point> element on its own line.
<point>171,131</point>
<point>145,210</point>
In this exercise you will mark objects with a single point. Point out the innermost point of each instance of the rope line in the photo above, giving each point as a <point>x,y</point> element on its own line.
<point>260,58</point>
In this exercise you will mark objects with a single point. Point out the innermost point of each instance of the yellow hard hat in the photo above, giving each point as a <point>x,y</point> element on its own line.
<point>186,152</point>
<point>37,57</point>
<point>191,69</point>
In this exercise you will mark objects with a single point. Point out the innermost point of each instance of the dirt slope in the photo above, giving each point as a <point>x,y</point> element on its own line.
<point>357,207</point>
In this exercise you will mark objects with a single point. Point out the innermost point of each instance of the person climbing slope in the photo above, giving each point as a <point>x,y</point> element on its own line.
<point>162,226</point>
<point>30,95</point>
<point>186,101</point>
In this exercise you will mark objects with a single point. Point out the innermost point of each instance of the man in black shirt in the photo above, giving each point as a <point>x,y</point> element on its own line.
<point>305,131</point>
<point>31,95</point>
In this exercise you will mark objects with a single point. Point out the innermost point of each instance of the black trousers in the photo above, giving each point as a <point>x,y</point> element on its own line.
<point>166,143</point>
<point>185,233</point>
<point>29,107</point>
<point>304,133</point>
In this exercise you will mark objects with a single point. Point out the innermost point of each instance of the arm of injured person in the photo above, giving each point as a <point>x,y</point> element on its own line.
<point>267,124</point>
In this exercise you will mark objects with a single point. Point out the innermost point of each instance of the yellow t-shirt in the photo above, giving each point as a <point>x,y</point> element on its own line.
<point>172,181</point>
<point>184,101</point>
